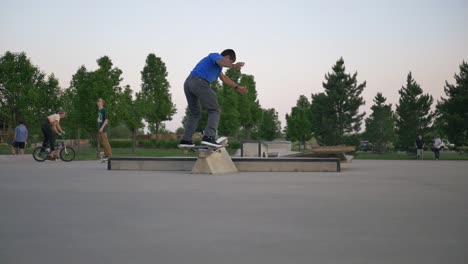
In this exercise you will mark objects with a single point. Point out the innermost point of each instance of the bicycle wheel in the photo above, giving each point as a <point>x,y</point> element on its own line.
<point>39,155</point>
<point>67,154</point>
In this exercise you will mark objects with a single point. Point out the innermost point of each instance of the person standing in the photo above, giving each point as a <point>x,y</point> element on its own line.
<point>103,122</point>
<point>437,145</point>
<point>199,92</point>
<point>20,138</point>
<point>49,125</point>
<point>420,147</point>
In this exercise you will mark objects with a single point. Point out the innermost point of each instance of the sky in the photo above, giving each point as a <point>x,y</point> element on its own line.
<point>288,46</point>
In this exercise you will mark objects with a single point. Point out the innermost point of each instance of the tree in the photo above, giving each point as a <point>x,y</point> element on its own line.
<point>344,98</point>
<point>248,105</point>
<point>229,122</point>
<point>85,88</point>
<point>453,110</point>
<point>131,111</point>
<point>201,122</point>
<point>322,119</point>
<point>157,100</point>
<point>270,126</point>
<point>299,122</point>
<point>380,125</point>
<point>25,92</point>
<point>413,114</point>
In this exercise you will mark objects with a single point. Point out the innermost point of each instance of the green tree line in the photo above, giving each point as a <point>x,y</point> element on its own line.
<point>28,94</point>
<point>332,117</point>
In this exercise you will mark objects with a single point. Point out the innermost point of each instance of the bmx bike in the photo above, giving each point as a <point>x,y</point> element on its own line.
<point>66,153</point>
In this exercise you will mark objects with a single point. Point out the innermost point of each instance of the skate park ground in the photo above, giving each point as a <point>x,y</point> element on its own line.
<point>371,212</point>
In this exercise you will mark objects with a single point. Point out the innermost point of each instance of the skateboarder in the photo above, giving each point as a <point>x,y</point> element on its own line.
<point>199,92</point>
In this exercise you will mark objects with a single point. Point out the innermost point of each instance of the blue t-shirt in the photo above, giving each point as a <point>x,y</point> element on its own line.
<point>21,133</point>
<point>207,68</point>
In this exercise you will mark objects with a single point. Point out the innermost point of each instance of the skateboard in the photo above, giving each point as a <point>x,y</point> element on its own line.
<point>222,141</point>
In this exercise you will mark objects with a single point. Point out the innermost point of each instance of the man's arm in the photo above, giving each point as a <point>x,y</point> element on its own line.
<point>103,125</point>
<point>225,79</point>
<point>227,64</point>
<point>60,128</point>
<point>56,127</point>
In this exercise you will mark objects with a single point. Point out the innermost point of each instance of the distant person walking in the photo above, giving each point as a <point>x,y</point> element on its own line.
<point>102,128</point>
<point>420,147</point>
<point>20,138</point>
<point>437,145</point>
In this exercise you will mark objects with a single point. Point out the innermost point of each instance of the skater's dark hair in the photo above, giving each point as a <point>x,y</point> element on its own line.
<point>231,54</point>
<point>21,122</point>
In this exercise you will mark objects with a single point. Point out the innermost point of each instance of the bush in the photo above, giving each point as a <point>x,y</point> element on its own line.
<point>462,150</point>
<point>159,143</point>
<point>352,140</point>
<point>234,144</point>
<point>120,143</point>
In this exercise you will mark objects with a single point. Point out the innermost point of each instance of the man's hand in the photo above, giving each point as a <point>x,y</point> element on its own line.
<point>63,132</point>
<point>237,66</point>
<point>100,130</point>
<point>242,89</point>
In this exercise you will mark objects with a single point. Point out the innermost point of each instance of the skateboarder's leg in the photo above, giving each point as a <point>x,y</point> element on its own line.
<point>209,101</point>
<point>194,111</point>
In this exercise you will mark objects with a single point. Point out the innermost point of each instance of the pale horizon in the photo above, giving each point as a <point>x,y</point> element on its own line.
<point>287,48</point>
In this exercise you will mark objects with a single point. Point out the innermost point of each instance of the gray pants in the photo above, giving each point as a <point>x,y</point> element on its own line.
<point>198,91</point>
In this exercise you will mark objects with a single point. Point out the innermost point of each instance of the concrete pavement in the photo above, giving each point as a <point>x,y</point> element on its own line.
<point>371,212</point>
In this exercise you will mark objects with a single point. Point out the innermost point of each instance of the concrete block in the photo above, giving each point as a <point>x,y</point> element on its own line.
<point>214,162</point>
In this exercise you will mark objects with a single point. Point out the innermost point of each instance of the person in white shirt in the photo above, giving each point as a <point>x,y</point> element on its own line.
<point>51,123</point>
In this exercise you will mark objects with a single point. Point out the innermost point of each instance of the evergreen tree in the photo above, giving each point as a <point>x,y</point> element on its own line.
<point>229,122</point>
<point>26,92</point>
<point>45,98</point>
<point>323,119</point>
<point>380,125</point>
<point>344,96</point>
<point>131,113</point>
<point>85,88</point>
<point>157,101</point>
<point>299,122</point>
<point>413,114</point>
<point>248,105</point>
<point>270,126</point>
<point>453,110</point>
<point>78,94</point>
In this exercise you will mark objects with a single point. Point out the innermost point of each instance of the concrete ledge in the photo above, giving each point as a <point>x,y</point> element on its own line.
<point>151,163</point>
<point>287,164</point>
<point>243,164</point>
